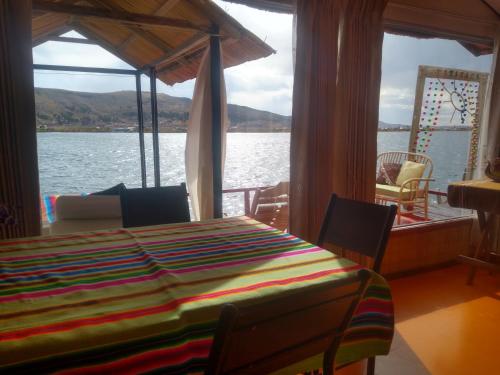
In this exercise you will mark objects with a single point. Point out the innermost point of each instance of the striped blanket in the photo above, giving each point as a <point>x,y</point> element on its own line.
<point>147,299</point>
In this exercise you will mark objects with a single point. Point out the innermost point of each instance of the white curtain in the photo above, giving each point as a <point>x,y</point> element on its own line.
<point>490,128</point>
<point>199,166</point>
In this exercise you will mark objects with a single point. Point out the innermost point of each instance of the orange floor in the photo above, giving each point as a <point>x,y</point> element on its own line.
<point>443,326</point>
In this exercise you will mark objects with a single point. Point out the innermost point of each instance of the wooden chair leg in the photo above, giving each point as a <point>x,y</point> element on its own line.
<point>370,368</point>
<point>477,255</point>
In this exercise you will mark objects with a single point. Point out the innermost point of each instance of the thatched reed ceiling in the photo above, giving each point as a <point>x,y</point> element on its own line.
<point>170,35</point>
<point>474,23</point>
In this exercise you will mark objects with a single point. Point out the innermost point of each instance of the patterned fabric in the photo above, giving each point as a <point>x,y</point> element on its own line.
<point>48,208</point>
<point>388,173</point>
<point>148,299</point>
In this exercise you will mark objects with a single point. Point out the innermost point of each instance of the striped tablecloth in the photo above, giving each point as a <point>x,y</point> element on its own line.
<point>147,299</point>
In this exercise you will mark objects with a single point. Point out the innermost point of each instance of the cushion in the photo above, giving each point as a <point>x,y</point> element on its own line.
<point>393,192</point>
<point>388,173</point>
<point>409,170</point>
<point>84,225</point>
<point>72,207</point>
<point>115,190</point>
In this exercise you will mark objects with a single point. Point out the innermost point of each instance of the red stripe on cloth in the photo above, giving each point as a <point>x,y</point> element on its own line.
<point>150,360</point>
<point>58,238</point>
<point>103,263</point>
<point>109,232</point>
<point>129,244</point>
<point>372,305</point>
<point>74,324</point>
<point>152,276</point>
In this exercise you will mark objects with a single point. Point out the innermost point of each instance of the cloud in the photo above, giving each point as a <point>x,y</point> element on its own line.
<point>267,84</point>
<point>396,97</point>
<point>401,59</point>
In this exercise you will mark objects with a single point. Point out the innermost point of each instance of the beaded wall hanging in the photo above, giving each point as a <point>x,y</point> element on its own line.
<point>448,99</point>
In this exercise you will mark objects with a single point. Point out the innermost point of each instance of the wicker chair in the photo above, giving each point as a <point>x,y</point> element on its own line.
<point>411,195</point>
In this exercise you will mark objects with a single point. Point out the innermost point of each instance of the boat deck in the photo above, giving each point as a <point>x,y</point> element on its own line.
<point>437,212</point>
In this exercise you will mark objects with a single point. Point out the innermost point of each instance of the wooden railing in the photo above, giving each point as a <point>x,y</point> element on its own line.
<point>246,195</point>
<point>247,191</point>
<point>439,195</point>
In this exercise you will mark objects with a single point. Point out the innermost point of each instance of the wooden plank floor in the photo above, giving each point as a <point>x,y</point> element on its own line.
<point>444,326</point>
<point>437,212</point>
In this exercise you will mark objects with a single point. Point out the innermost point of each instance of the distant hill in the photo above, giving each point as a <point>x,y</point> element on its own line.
<point>390,127</point>
<point>62,110</point>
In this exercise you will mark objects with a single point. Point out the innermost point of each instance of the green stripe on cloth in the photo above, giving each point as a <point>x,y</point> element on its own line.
<point>148,299</point>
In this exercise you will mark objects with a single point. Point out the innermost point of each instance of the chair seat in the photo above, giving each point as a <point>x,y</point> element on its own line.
<point>393,191</point>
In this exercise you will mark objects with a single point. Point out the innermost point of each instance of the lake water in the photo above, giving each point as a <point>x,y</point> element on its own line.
<point>74,163</point>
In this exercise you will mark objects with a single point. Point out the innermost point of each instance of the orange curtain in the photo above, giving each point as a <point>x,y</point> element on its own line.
<point>19,190</point>
<point>335,107</point>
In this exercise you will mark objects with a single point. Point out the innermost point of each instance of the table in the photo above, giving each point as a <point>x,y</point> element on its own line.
<point>146,299</point>
<point>484,197</point>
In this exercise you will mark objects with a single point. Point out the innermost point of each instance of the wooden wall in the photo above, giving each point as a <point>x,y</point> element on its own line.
<point>471,19</point>
<point>425,246</point>
<point>468,20</point>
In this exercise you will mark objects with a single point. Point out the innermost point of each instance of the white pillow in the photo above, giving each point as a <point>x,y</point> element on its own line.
<point>409,170</point>
<point>73,207</point>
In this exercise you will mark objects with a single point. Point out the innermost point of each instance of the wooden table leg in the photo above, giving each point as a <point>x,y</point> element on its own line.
<point>483,242</point>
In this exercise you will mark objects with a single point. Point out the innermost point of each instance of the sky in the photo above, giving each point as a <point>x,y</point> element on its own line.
<point>267,84</point>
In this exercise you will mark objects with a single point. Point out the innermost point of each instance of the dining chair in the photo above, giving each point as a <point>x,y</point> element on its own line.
<point>154,206</point>
<point>360,227</point>
<point>275,333</point>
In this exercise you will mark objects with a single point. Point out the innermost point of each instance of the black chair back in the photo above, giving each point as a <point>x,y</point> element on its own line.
<point>154,206</point>
<point>358,226</point>
<point>274,334</point>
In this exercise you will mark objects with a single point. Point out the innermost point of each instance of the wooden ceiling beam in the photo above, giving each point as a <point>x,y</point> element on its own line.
<point>136,19</point>
<point>491,7</point>
<point>89,34</point>
<point>161,11</point>
<point>134,30</point>
<point>141,33</point>
<point>176,53</point>
<point>198,54</point>
<point>67,39</point>
<point>145,34</point>
<point>228,25</point>
<point>44,37</point>
<point>280,6</point>
<point>166,7</point>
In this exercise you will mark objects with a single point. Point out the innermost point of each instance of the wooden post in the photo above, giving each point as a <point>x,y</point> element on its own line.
<point>417,110</point>
<point>215,60</point>
<point>154,124</point>
<point>247,202</point>
<point>140,119</point>
<point>19,185</point>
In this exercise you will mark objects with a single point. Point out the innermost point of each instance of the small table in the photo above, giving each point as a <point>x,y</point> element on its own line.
<point>148,299</point>
<point>484,197</point>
